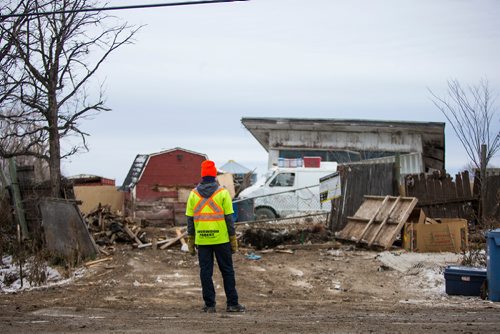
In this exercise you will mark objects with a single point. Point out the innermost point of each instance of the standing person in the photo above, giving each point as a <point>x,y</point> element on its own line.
<point>210,227</point>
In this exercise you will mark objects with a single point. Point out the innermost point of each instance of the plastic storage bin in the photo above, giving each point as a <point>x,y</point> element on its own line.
<point>464,281</point>
<point>493,263</point>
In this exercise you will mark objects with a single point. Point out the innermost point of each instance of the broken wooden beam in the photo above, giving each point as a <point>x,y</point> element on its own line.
<point>173,241</point>
<point>149,244</point>
<point>184,246</point>
<point>132,235</point>
<point>91,263</point>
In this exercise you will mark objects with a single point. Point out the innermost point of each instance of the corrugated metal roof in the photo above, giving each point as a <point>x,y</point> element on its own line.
<point>234,168</point>
<point>410,163</point>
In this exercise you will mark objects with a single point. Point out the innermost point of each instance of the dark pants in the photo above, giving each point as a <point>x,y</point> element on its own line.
<point>225,262</point>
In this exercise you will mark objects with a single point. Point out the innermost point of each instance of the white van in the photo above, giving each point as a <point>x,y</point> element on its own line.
<point>288,191</point>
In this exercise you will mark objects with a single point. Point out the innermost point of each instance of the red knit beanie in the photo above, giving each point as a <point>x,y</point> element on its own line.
<point>208,168</point>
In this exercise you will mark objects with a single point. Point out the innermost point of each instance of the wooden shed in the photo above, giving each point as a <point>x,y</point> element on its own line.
<point>348,140</point>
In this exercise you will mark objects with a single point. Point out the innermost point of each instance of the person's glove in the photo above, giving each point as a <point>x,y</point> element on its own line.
<point>190,243</point>
<point>234,243</point>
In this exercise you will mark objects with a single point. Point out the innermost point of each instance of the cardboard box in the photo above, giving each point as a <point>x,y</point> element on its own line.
<point>449,235</point>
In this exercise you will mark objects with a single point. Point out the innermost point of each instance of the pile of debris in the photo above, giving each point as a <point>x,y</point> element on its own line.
<point>107,227</point>
<point>284,232</point>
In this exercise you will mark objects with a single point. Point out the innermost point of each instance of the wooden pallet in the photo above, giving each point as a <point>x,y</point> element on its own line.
<point>378,221</point>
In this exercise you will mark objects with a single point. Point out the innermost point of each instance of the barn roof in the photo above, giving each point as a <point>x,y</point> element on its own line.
<point>140,162</point>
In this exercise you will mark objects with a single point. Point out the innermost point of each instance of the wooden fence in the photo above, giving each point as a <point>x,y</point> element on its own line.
<point>441,197</point>
<point>358,180</point>
<point>438,195</point>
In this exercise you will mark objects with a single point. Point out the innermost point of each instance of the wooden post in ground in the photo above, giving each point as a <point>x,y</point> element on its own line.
<point>484,183</point>
<point>16,192</point>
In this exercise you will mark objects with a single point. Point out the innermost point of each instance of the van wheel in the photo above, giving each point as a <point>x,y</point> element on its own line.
<point>264,213</point>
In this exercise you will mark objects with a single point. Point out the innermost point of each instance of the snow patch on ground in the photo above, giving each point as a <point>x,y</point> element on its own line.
<point>10,280</point>
<point>421,272</point>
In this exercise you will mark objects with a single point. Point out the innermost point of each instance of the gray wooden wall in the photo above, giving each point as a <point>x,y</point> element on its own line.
<point>357,181</point>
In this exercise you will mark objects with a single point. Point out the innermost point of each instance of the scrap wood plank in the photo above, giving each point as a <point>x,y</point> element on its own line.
<point>387,239</point>
<point>179,234</point>
<point>131,234</point>
<point>430,221</point>
<point>380,233</point>
<point>104,252</point>
<point>285,251</point>
<point>91,263</point>
<point>386,218</point>
<point>372,219</point>
<point>173,241</point>
<point>149,244</point>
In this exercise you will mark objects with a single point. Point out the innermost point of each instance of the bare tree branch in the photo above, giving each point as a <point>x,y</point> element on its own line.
<point>472,115</point>
<point>46,67</point>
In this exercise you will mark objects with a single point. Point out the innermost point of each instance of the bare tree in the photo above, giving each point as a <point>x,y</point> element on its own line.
<point>54,58</point>
<point>471,112</point>
<point>7,62</point>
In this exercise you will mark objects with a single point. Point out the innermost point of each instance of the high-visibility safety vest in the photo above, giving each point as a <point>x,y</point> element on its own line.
<point>208,215</point>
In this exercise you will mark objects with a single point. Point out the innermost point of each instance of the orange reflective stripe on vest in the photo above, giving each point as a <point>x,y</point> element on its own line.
<point>217,212</point>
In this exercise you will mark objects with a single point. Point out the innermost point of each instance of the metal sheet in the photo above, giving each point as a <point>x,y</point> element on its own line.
<point>411,163</point>
<point>65,232</point>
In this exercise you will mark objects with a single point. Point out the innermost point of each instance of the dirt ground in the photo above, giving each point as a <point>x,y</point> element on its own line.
<point>317,288</point>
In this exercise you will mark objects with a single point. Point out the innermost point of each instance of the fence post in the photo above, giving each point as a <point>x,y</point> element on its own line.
<point>397,174</point>
<point>484,185</point>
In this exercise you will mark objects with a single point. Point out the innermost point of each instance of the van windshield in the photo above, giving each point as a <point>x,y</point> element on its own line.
<point>269,176</point>
<point>283,180</point>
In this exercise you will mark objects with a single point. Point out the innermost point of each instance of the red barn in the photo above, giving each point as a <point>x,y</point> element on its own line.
<point>164,175</point>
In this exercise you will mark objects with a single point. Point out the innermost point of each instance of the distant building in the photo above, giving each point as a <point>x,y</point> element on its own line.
<point>91,180</point>
<point>159,176</point>
<point>345,140</point>
<point>242,176</point>
<point>239,171</point>
<point>93,190</point>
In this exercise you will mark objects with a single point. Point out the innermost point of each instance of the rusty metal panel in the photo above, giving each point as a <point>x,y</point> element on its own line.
<point>378,221</point>
<point>65,232</point>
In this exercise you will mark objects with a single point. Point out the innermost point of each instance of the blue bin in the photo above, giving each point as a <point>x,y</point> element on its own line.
<point>244,210</point>
<point>235,212</point>
<point>464,281</point>
<point>493,262</point>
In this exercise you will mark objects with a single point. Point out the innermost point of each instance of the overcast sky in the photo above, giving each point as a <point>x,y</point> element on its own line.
<point>195,71</point>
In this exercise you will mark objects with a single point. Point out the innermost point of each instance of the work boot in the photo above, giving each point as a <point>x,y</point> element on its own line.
<point>209,309</point>
<point>236,308</point>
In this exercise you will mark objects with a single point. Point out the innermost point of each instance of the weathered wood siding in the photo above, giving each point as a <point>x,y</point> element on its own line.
<point>492,203</point>
<point>358,181</point>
